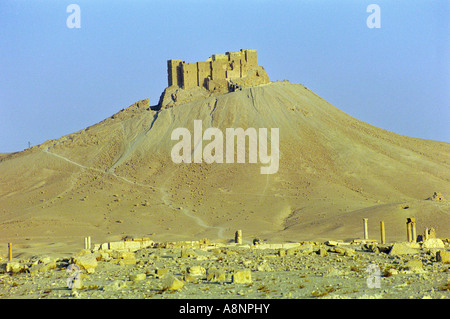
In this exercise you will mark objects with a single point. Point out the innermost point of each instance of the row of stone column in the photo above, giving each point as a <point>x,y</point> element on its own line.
<point>411,234</point>
<point>382,230</point>
<point>87,242</point>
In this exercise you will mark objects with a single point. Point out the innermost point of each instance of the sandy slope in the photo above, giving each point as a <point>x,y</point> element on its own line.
<point>117,178</point>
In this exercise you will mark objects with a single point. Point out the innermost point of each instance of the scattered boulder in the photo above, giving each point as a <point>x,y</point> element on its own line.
<point>171,283</point>
<point>431,243</point>
<point>322,252</point>
<point>124,262</point>
<point>242,277</point>
<point>443,256</point>
<point>161,272</point>
<point>196,271</point>
<point>384,248</point>
<point>119,257</point>
<point>116,254</point>
<point>41,267</point>
<point>282,253</point>
<point>215,275</point>
<point>82,253</point>
<point>138,277</point>
<point>402,249</point>
<point>343,251</point>
<point>390,272</point>
<point>290,251</point>
<point>414,265</point>
<point>103,256</point>
<point>332,272</point>
<point>370,247</point>
<point>87,262</point>
<point>186,253</point>
<point>247,262</point>
<point>264,267</point>
<point>13,267</point>
<point>306,249</point>
<point>41,260</point>
<point>332,242</point>
<point>115,285</point>
<point>303,250</point>
<point>190,278</point>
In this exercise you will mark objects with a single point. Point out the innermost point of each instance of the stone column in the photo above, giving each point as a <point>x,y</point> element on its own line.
<point>411,229</point>
<point>383,233</point>
<point>238,237</point>
<point>408,230</point>
<point>413,233</point>
<point>9,251</point>
<point>366,231</point>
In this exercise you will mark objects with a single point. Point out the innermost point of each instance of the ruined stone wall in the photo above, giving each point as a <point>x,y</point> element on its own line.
<point>174,73</point>
<point>189,74</point>
<point>234,65</point>
<point>251,58</point>
<point>218,68</point>
<point>251,62</point>
<point>203,72</point>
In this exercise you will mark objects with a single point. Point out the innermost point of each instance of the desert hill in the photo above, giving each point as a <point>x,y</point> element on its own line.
<point>117,177</point>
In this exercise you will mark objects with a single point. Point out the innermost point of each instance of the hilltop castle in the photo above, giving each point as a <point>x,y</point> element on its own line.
<point>218,73</point>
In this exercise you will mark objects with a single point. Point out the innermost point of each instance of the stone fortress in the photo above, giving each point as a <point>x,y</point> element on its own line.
<point>219,74</point>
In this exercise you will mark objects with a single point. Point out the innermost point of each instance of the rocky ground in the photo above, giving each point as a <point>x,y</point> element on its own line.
<point>221,271</point>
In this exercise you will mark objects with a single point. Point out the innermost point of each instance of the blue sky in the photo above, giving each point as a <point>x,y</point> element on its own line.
<point>55,80</point>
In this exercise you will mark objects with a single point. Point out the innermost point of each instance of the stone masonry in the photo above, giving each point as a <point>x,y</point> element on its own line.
<point>220,73</point>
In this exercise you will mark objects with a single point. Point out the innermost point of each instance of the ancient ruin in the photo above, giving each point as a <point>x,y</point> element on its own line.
<point>221,73</point>
<point>411,229</point>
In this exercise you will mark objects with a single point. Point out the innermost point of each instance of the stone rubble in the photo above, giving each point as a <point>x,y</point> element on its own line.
<point>190,270</point>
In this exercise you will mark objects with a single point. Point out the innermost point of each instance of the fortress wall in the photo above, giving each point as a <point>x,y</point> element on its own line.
<point>251,58</point>
<point>218,68</point>
<point>249,62</point>
<point>203,72</point>
<point>189,73</point>
<point>174,72</point>
<point>234,69</point>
